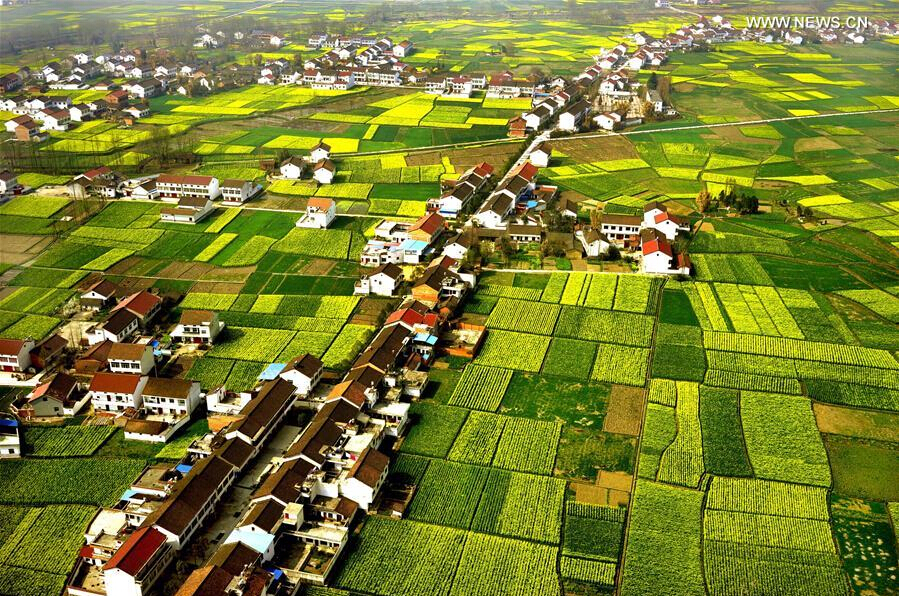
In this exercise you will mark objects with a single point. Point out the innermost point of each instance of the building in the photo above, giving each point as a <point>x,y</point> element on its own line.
<point>608,120</point>
<point>130,358</point>
<point>9,183</point>
<point>427,228</point>
<point>190,210</point>
<point>48,351</point>
<point>525,232</point>
<point>237,192</point>
<point>595,243</point>
<point>319,152</point>
<point>292,168</point>
<point>382,281</point>
<point>117,327</point>
<point>172,187</point>
<point>143,305</point>
<point>57,397</point>
<point>303,372</point>
<point>494,211</point>
<point>138,564</point>
<point>659,257</point>
<point>100,181</point>
<point>15,354</point>
<point>100,295</point>
<point>10,440</point>
<point>109,392</point>
<point>571,119</point>
<point>656,216</point>
<point>319,213</point>
<point>197,327</point>
<point>176,397</point>
<point>541,155</point>
<point>622,230</point>
<point>365,478</point>
<point>323,171</point>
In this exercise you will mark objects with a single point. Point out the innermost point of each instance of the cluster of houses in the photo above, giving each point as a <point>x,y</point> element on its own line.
<point>397,242</point>
<point>653,235</point>
<point>192,194</point>
<point>348,61</point>
<point>299,516</point>
<point>318,163</point>
<point>457,195</point>
<point>510,207</point>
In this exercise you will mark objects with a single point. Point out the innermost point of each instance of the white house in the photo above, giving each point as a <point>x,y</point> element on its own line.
<point>10,440</point>
<point>570,120</point>
<point>594,243</point>
<point>323,172</point>
<point>320,152</point>
<point>659,257</point>
<point>190,210</point>
<point>130,358</point>
<point>495,210</point>
<point>362,483</point>
<point>119,326</point>
<point>304,372</point>
<point>138,564</point>
<point>319,213</point>
<point>171,396</point>
<point>656,216</point>
<point>457,247</point>
<point>541,155</point>
<point>382,281</point>
<point>8,181</point>
<point>292,168</point>
<point>55,119</point>
<point>198,327</point>
<point>58,397</point>
<point>172,187</point>
<point>608,120</point>
<point>236,192</point>
<point>621,230</point>
<point>110,392</point>
<point>403,49</point>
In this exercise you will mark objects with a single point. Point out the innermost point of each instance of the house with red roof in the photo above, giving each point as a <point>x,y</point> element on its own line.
<point>143,305</point>
<point>58,397</point>
<point>320,212</point>
<point>15,354</point>
<point>656,216</point>
<point>111,392</point>
<point>138,564</point>
<point>427,228</point>
<point>660,257</point>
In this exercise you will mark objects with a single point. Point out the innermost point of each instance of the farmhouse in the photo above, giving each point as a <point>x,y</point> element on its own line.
<point>541,155</point>
<point>622,230</point>
<point>190,210</point>
<point>436,283</point>
<point>659,257</point>
<point>656,216</point>
<point>260,417</point>
<point>47,352</point>
<point>365,478</point>
<point>292,167</point>
<point>10,441</point>
<point>323,171</point>
<point>594,243</point>
<point>319,152</point>
<point>171,396</point>
<point>9,183</point>
<point>111,392</point>
<point>571,119</point>
<point>118,326</point>
<point>142,304</point>
<point>427,228</point>
<point>237,192</point>
<point>198,327</point>
<point>130,358</point>
<point>100,181</point>
<point>138,564</point>
<point>608,120</point>
<point>303,372</point>
<point>495,210</point>
<point>172,187</point>
<point>57,397</point>
<point>319,213</point>
<point>382,281</point>
<point>525,233</point>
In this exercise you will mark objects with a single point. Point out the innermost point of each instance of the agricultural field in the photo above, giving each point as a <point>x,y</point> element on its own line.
<point>725,434</point>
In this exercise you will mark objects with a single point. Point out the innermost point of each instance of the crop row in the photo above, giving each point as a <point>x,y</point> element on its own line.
<point>525,316</point>
<point>521,506</point>
<point>481,387</point>
<point>804,350</point>
<point>587,570</point>
<point>682,461</point>
<point>769,498</point>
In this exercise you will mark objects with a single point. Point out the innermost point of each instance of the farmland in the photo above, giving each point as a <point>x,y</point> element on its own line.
<point>726,433</point>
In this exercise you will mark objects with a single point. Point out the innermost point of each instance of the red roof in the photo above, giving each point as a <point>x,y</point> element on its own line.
<point>136,551</point>
<point>429,224</point>
<point>11,347</point>
<point>405,315</point>
<point>91,174</point>
<point>141,303</point>
<point>115,383</point>
<point>319,203</point>
<point>527,170</point>
<point>656,246</point>
<point>483,169</point>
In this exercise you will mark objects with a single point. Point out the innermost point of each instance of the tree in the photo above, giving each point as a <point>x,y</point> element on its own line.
<point>653,81</point>
<point>507,247</point>
<point>703,200</point>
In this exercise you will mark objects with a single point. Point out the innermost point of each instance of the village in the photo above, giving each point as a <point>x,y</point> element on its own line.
<point>271,498</point>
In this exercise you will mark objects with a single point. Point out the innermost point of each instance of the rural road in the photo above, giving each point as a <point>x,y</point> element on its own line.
<point>237,14</point>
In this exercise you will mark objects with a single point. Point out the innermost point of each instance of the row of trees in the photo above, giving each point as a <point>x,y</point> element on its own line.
<point>728,198</point>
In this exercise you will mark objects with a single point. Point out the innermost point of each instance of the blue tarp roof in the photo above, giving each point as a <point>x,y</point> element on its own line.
<point>531,204</point>
<point>183,468</point>
<point>275,571</point>
<point>129,493</point>
<point>416,245</point>
<point>271,371</point>
<point>8,422</point>
<point>426,338</point>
